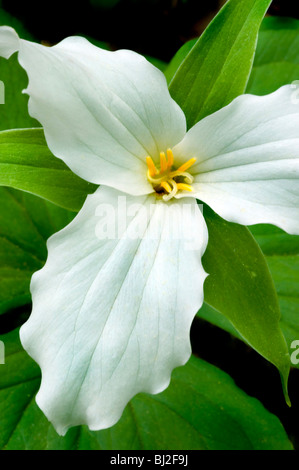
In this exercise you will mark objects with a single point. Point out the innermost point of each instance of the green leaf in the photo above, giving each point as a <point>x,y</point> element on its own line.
<point>178,58</point>
<point>14,112</point>
<point>192,413</point>
<point>282,254</point>
<point>277,60</point>
<point>26,163</point>
<point>25,224</point>
<point>217,68</point>
<point>213,316</point>
<point>240,287</point>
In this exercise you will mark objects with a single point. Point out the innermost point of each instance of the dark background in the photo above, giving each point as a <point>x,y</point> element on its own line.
<point>158,28</point>
<point>153,27</point>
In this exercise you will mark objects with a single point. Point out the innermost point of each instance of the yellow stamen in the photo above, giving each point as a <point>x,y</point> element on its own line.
<point>163,162</point>
<point>184,187</point>
<point>165,179</point>
<point>169,158</point>
<point>187,165</point>
<point>166,186</point>
<point>151,166</point>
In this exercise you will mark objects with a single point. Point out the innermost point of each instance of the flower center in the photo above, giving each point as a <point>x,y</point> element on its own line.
<point>168,181</point>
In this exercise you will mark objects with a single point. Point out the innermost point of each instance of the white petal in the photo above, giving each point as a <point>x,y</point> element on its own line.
<point>248,160</point>
<point>103,112</point>
<point>9,41</point>
<point>111,317</point>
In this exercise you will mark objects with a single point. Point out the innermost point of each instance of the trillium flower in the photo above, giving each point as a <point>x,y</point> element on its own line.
<point>111,316</point>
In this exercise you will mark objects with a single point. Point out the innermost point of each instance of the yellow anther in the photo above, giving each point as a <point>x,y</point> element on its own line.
<point>163,162</point>
<point>169,158</point>
<point>184,187</point>
<point>187,165</point>
<point>166,186</point>
<point>151,166</point>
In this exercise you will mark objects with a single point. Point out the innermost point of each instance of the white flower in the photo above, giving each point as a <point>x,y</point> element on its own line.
<point>111,317</point>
